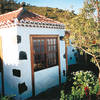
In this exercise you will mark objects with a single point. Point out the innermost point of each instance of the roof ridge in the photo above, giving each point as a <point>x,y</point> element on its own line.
<point>21,11</point>
<point>12,11</point>
<point>23,14</point>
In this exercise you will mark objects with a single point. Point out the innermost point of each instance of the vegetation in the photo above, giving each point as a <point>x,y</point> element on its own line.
<point>85,84</point>
<point>54,13</point>
<point>5,98</point>
<point>85,29</point>
<point>7,5</point>
<point>85,26</point>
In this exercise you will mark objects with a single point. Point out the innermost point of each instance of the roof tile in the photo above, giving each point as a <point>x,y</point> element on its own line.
<point>22,13</point>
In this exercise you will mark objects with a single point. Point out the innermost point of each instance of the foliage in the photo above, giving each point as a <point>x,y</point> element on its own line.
<point>5,98</point>
<point>54,13</point>
<point>85,32</point>
<point>7,5</point>
<point>82,80</point>
<point>92,6</point>
<point>85,84</point>
<point>65,97</point>
<point>11,97</point>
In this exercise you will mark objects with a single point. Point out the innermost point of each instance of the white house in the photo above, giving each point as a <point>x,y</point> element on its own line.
<point>31,54</point>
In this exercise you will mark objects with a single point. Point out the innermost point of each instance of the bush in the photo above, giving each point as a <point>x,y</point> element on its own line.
<point>5,98</point>
<point>85,84</point>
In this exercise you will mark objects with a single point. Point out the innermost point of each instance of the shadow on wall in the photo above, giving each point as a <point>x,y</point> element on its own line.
<point>0,64</point>
<point>0,76</point>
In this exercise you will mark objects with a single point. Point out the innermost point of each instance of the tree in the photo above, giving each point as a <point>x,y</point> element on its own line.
<point>84,29</point>
<point>92,7</point>
<point>7,5</point>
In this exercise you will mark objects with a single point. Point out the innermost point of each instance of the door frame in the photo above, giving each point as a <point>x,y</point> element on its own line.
<point>66,54</point>
<point>32,58</point>
<point>2,71</point>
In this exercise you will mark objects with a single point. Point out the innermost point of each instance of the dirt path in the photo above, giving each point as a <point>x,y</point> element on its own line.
<point>50,94</point>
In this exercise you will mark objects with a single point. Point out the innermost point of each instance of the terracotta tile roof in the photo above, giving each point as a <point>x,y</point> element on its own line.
<point>22,13</point>
<point>10,15</point>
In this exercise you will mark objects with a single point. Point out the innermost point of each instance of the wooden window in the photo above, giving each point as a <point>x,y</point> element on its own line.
<point>45,52</point>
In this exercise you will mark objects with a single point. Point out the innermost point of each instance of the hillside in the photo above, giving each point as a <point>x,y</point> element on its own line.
<point>53,13</point>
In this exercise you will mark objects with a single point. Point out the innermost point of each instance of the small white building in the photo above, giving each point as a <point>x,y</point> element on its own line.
<point>31,54</point>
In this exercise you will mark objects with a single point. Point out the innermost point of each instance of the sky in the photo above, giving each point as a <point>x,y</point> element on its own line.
<point>61,4</point>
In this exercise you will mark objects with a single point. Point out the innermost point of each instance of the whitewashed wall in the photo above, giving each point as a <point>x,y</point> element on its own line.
<point>62,60</point>
<point>46,79</point>
<point>70,54</point>
<point>50,75</point>
<point>9,46</point>
<point>11,61</point>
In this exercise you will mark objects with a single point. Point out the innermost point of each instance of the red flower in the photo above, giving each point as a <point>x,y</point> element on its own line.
<point>86,89</point>
<point>94,42</point>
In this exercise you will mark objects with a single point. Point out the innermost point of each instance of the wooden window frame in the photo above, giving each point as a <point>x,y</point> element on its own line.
<point>32,58</point>
<point>46,52</point>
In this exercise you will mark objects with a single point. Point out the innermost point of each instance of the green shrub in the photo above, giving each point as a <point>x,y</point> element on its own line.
<point>84,85</point>
<point>5,98</point>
